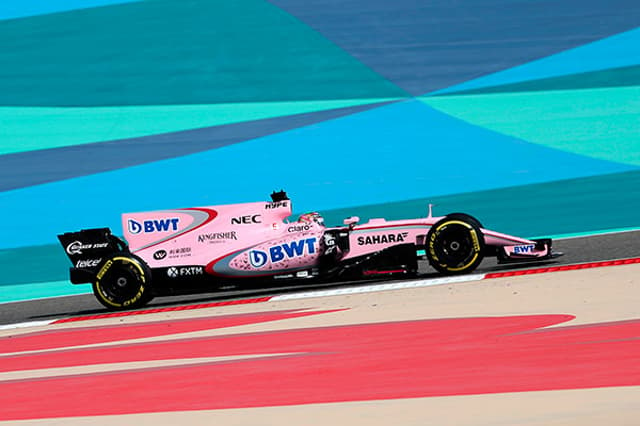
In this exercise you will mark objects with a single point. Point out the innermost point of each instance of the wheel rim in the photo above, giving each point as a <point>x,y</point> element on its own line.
<point>454,246</point>
<point>120,285</point>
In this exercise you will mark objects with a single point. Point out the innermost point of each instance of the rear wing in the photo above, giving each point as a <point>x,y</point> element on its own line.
<point>88,249</point>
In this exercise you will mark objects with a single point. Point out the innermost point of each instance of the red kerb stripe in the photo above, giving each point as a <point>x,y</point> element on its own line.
<point>563,268</point>
<point>171,309</point>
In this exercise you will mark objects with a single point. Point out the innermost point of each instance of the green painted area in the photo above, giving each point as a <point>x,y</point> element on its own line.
<point>586,205</point>
<point>614,77</point>
<point>33,264</point>
<point>31,291</point>
<point>599,123</point>
<point>33,128</point>
<point>141,54</point>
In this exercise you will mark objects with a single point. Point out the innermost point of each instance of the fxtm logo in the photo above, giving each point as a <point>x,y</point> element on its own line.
<point>246,220</point>
<point>190,271</point>
<point>156,225</point>
<point>259,258</point>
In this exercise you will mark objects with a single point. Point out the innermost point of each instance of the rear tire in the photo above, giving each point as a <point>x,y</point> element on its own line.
<point>123,282</point>
<point>455,244</point>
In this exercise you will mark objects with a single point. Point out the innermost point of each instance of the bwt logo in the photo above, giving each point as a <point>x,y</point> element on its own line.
<point>283,251</point>
<point>524,249</point>
<point>156,225</point>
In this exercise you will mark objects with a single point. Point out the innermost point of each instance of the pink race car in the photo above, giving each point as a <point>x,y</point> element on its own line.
<point>205,248</point>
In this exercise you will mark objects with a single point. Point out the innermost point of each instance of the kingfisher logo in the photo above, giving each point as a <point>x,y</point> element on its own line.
<point>155,225</point>
<point>275,254</point>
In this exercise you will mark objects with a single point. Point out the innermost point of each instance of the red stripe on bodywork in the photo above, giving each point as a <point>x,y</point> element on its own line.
<point>212,215</point>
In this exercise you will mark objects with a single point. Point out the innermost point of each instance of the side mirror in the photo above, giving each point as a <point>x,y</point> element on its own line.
<point>351,221</point>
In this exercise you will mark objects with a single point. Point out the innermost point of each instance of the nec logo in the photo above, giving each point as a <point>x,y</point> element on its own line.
<point>246,220</point>
<point>156,225</point>
<point>524,249</point>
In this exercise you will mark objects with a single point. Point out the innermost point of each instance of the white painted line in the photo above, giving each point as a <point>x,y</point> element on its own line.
<point>25,324</point>
<point>379,287</point>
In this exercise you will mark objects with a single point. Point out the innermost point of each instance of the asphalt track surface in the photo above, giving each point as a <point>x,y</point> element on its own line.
<point>595,248</point>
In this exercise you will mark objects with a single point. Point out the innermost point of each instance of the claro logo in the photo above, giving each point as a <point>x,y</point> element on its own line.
<point>155,225</point>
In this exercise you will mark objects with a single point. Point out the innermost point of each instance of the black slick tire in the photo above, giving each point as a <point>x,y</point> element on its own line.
<point>455,244</point>
<point>123,282</point>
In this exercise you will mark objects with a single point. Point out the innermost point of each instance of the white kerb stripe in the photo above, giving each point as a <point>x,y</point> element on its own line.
<point>25,324</point>
<point>379,287</point>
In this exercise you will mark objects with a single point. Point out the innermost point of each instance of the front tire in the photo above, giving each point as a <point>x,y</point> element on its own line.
<point>123,282</point>
<point>455,245</point>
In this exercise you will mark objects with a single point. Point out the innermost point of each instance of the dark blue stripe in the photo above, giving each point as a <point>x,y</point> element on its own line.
<point>36,167</point>
<point>423,46</point>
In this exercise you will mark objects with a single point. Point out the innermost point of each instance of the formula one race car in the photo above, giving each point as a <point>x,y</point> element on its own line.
<point>206,248</point>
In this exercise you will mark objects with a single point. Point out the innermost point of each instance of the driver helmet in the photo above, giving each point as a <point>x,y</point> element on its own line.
<point>311,218</point>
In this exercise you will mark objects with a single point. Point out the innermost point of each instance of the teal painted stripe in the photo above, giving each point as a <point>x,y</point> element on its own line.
<point>617,77</point>
<point>601,123</point>
<point>176,52</point>
<point>36,291</point>
<point>35,128</point>
<point>620,50</point>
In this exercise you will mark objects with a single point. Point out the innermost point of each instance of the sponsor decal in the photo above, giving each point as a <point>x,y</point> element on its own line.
<point>275,254</point>
<point>299,228</point>
<point>185,271</point>
<point>104,269</point>
<point>160,254</point>
<point>525,248</point>
<point>76,247</point>
<point>153,225</point>
<point>88,263</point>
<point>246,220</point>
<point>282,277</point>
<point>382,239</point>
<point>276,205</point>
<point>217,237</point>
<point>180,252</point>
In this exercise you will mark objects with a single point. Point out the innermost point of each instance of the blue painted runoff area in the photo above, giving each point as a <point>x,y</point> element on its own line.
<point>12,9</point>
<point>401,151</point>
<point>424,46</point>
<point>620,50</point>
